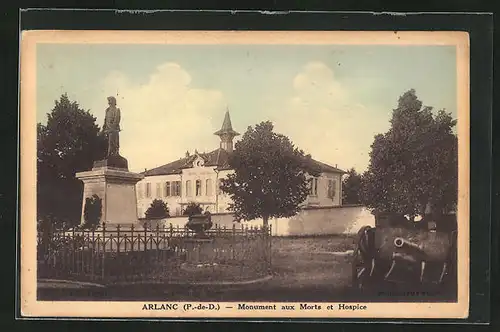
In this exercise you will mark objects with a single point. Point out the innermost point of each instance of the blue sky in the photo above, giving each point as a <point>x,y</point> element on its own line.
<point>329,99</point>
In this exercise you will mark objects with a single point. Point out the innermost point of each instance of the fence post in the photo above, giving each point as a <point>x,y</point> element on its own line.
<point>233,242</point>
<point>74,265</point>
<point>270,241</point>
<point>82,254</point>
<point>92,256</point>
<point>163,236</point>
<point>157,236</point>
<point>132,240</point>
<point>103,274</point>
<point>145,238</point>
<point>118,238</point>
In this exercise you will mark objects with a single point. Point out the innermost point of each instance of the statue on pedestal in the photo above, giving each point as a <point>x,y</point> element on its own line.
<point>111,127</point>
<point>111,130</point>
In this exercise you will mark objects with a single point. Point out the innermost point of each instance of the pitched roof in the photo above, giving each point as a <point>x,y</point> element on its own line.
<point>218,157</point>
<point>327,168</point>
<point>227,127</point>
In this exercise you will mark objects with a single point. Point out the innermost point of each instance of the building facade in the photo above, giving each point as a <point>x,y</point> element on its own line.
<point>196,178</point>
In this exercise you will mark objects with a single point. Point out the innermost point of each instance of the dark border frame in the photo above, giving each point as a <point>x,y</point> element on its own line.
<point>480,28</point>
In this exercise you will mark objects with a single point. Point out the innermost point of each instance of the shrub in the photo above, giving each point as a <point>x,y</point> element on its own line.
<point>92,212</point>
<point>192,209</point>
<point>157,210</point>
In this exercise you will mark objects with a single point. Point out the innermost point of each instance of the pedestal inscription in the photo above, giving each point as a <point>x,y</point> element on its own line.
<point>116,188</point>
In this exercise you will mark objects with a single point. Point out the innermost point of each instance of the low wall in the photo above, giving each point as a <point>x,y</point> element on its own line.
<point>311,221</point>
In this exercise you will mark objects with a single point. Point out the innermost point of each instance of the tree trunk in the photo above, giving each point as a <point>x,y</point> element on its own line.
<point>265,222</point>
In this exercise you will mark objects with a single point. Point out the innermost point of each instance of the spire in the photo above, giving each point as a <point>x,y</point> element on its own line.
<point>226,133</point>
<point>227,127</point>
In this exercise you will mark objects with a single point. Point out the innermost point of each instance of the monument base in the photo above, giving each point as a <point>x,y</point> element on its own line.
<point>199,250</point>
<point>112,162</point>
<point>116,188</point>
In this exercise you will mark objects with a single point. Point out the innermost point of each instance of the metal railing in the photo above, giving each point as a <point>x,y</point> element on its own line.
<point>120,253</point>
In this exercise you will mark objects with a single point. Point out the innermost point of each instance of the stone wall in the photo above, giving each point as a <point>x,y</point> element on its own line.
<point>311,221</point>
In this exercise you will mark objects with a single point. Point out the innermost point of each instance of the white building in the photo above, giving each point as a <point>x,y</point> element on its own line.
<point>196,178</point>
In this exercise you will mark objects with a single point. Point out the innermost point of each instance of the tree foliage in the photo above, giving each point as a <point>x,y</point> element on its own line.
<point>157,210</point>
<point>192,209</point>
<point>67,144</point>
<point>351,187</point>
<point>414,164</point>
<point>270,175</point>
<point>92,211</point>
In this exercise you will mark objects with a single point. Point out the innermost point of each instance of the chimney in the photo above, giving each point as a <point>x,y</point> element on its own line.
<point>187,154</point>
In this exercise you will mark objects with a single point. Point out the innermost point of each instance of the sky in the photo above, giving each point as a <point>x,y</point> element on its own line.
<point>331,100</point>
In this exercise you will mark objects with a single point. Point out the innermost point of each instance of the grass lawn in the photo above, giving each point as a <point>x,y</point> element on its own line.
<point>303,270</point>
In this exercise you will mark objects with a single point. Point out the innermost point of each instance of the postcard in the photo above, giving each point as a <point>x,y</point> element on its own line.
<point>244,174</point>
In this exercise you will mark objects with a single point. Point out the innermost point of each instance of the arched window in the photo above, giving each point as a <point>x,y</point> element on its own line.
<point>198,187</point>
<point>188,188</point>
<point>208,187</point>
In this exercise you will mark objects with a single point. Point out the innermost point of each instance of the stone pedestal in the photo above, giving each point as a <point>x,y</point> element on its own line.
<point>199,250</point>
<point>116,188</point>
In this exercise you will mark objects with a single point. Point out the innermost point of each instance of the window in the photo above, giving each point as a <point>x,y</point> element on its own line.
<point>188,188</point>
<point>158,190</point>
<point>313,187</point>
<point>208,187</point>
<point>167,191</point>
<point>332,184</point>
<point>176,188</point>
<point>177,210</point>
<point>148,190</point>
<point>140,194</point>
<point>198,187</point>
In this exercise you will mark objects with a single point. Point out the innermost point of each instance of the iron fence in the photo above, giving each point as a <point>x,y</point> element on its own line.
<point>162,254</point>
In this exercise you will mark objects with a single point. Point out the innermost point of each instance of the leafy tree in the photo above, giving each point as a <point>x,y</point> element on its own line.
<point>414,165</point>
<point>92,212</point>
<point>67,144</point>
<point>351,187</point>
<point>270,175</point>
<point>157,210</point>
<point>192,208</point>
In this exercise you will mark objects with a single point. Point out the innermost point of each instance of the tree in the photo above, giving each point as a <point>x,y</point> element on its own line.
<point>192,208</point>
<point>270,175</point>
<point>414,165</point>
<point>351,187</point>
<point>92,212</point>
<point>67,144</point>
<point>157,210</point>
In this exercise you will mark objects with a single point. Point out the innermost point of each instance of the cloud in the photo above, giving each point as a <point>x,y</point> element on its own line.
<point>323,118</point>
<point>163,117</point>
